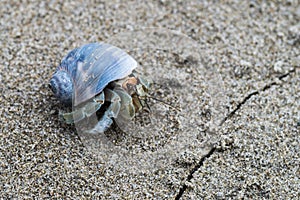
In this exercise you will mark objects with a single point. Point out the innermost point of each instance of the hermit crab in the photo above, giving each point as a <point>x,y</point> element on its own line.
<point>99,79</point>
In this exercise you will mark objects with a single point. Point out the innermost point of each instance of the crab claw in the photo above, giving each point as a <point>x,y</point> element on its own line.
<point>111,112</point>
<point>87,110</point>
<point>127,110</point>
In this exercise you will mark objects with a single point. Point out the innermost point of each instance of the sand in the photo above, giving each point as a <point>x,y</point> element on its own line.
<point>251,50</point>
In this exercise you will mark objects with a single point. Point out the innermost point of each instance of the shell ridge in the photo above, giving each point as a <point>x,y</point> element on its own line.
<point>93,66</point>
<point>115,73</point>
<point>83,88</point>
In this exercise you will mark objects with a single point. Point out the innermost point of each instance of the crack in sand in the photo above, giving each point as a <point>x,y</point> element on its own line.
<point>190,176</point>
<point>266,87</point>
<point>231,114</point>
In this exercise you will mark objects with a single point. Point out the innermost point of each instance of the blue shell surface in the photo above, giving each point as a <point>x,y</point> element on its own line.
<point>93,66</point>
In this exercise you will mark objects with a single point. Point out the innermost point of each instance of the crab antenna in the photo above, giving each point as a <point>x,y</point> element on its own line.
<point>148,106</point>
<point>162,101</point>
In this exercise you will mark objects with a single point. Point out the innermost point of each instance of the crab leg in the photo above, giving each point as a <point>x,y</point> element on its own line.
<point>112,112</point>
<point>127,110</point>
<point>86,111</point>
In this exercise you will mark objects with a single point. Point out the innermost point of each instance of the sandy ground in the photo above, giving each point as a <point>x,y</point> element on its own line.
<point>252,46</point>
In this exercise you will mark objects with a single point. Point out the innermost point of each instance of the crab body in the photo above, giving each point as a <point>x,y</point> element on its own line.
<point>99,77</point>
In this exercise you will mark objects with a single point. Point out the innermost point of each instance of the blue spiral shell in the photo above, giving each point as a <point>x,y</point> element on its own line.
<point>87,70</point>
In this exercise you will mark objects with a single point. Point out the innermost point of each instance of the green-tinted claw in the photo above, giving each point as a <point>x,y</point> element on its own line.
<point>111,112</point>
<point>115,100</point>
<point>92,107</point>
<point>86,111</point>
<point>127,110</point>
<point>72,117</point>
<point>111,96</point>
